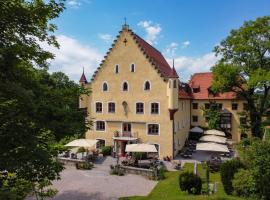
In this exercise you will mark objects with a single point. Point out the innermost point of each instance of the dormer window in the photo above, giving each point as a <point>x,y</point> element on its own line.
<point>132,67</point>
<point>116,69</point>
<point>105,87</point>
<point>196,89</point>
<point>147,85</point>
<point>125,86</point>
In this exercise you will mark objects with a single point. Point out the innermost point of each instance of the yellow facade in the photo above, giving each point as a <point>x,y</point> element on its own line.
<point>172,132</point>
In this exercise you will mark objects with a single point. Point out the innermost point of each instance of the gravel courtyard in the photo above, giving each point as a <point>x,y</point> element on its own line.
<point>98,184</point>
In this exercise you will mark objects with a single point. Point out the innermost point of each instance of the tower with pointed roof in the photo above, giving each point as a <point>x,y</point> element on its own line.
<point>173,87</point>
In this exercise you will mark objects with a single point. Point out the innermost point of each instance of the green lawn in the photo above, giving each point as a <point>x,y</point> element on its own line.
<point>169,189</point>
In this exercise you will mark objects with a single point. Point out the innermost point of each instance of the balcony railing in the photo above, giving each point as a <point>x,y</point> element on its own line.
<point>126,134</point>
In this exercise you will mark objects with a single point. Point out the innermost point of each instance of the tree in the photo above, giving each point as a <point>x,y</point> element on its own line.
<point>212,115</point>
<point>36,109</point>
<point>244,68</point>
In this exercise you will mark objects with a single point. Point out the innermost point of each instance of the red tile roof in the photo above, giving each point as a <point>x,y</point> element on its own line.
<point>157,57</point>
<point>203,82</point>
<point>182,94</point>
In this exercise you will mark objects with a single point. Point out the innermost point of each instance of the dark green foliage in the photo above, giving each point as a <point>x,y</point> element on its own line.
<point>244,68</point>
<point>244,184</point>
<point>190,182</point>
<point>212,115</point>
<point>84,165</point>
<point>116,170</point>
<point>106,150</point>
<point>12,187</point>
<point>139,155</point>
<point>161,173</point>
<point>227,171</point>
<point>36,109</point>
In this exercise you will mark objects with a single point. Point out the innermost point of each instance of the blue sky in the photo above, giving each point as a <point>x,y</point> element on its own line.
<point>184,30</point>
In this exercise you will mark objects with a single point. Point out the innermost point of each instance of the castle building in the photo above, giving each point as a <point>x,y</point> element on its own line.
<point>137,97</point>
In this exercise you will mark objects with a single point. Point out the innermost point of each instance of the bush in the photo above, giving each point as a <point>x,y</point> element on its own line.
<point>106,150</point>
<point>243,183</point>
<point>84,165</point>
<point>81,150</point>
<point>161,173</point>
<point>139,155</point>
<point>227,171</point>
<point>190,182</point>
<point>116,170</point>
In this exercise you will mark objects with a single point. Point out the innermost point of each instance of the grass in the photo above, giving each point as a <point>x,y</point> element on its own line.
<point>169,188</point>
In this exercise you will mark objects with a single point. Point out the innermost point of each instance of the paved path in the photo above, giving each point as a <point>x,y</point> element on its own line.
<point>98,184</point>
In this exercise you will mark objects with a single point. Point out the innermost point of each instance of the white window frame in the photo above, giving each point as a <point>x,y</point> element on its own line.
<point>136,108</point>
<point>96,125</point>
<point>108,107</point>
<point>130,68</point>
<point>95,107</point>
<point>107,86</point>
<point>149,84</point>
<point>100,139</point>
<point>152,134</point>
<point>122,88</point>
<point>115,68</point>
<point>151,108</point>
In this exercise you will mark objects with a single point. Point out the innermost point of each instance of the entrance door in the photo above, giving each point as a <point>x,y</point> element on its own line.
<point>126,129</point>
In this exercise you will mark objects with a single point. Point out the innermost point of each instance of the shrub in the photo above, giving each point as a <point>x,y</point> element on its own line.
<point>81,150</point>
<point>161,173</point>
<point>243,183</point>
<point>116,170</point>
<point>227,171</point>
<point>190,182</point>
<point>106,150</point>
<point>139,155</point>
<point>84,165</point>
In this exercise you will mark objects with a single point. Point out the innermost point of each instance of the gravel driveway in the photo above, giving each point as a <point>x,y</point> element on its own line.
<point>98,184</point>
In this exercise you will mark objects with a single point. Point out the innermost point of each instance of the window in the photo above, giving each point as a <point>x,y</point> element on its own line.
<point>153,129</point>
<point>105,87</point>
<point>245,106</point>
<point>154,108</point>
<point>234,106</point>
<point>100,126</point>
<point>111,107</point>
<point>195,118</point>
<point>125,86</point>
<point>139,108</point>
<point>116,69</point>
<point>100,144</point>
<point>220,105</point>
<point>174,84</point>
<point>98,107</point>
<point>132,67</point>
<point>196,90</point>
<point>207,105</point>
<point>195,106</point>
<point>147,85</point>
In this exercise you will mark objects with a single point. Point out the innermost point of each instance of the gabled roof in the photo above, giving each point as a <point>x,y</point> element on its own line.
<point>203,81</point>
<point>155,58</point>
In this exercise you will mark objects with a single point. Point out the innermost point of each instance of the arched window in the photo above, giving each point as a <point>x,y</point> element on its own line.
<point>105,87</point>
<point>132,67</point>
<point>147,85</point>
<point>116,69</point>
<point>125,86</point>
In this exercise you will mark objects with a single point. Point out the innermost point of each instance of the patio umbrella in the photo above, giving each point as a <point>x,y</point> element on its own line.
<point>211,146</point>
<point>196,130</point>
<point>82,143</point>
<point>141,148</point>
<point>213,138</point>
<point>214,132</point>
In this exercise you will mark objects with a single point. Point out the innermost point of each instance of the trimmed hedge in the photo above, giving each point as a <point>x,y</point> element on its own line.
<point>190,182</point>
<point>227,171</point>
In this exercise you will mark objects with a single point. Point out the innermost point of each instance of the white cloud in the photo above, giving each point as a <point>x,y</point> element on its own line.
<point>76,3</point>
<point>152,31</point>
<point>185,44</point>
<point>171,48</point>
<point>105,37</point>
<point>187,66</point>
<point>72,57</point>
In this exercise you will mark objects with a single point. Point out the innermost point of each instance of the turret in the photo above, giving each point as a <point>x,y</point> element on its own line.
<point>173,89</point>
<point>83,98</point>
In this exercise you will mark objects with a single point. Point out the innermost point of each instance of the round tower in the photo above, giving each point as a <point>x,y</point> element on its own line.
<point>173,91</point>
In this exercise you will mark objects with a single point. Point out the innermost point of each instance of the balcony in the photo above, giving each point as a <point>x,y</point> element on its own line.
<point>125,136</point>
